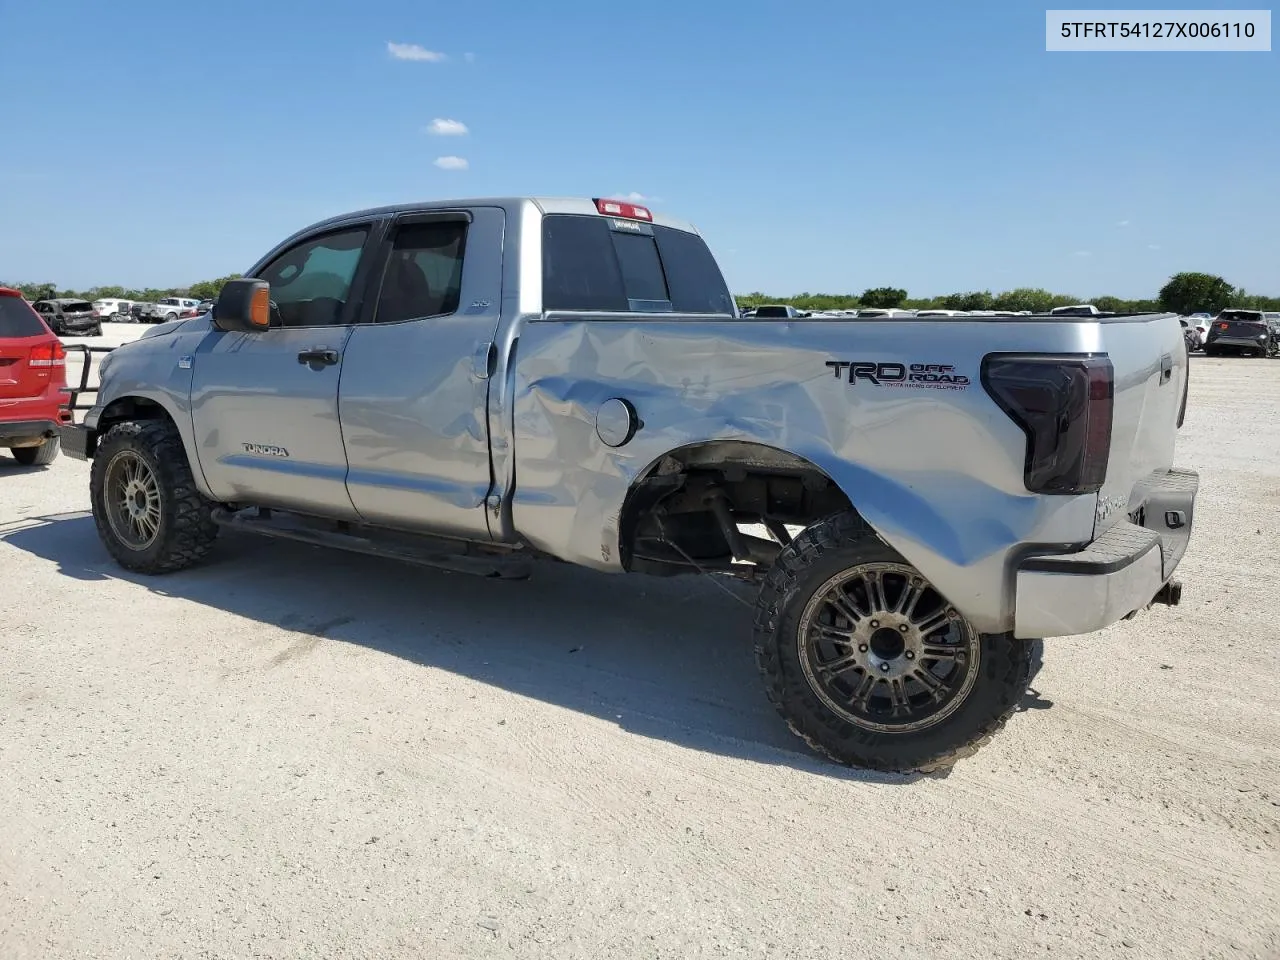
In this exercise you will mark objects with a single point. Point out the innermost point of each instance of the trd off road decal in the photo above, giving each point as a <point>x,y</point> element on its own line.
<point>915,376</point>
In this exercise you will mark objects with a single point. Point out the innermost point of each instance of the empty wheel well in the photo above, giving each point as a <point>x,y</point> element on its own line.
<point>130,408</point>
<point>683,513</point>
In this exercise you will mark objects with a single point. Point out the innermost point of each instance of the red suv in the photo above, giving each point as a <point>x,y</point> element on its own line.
<point>33,375</point>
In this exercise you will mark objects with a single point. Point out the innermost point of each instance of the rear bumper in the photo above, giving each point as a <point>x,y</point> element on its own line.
<point>26,430</point>
<point>1118,574</point>
<point>1248,343</point>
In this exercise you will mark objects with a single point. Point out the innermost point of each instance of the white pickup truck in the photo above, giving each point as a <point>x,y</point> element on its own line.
<point>473,384</point>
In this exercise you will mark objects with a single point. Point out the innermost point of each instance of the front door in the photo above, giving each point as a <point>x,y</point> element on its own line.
<point>264,406</point>
<point>414,396</point>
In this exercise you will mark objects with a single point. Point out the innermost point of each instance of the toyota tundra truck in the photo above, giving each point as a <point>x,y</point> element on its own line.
<point>474,385</point>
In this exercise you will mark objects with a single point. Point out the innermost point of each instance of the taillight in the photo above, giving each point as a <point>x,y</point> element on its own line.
<point>48,355</point>
<point>1223,326</point>
<point>617,208</point>
<point>1064,406</point>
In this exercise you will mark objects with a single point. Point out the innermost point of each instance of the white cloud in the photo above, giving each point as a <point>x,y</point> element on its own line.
<point>469,57</point>
<point>1122,223</point>
<point>412,51</point>
<point>452,163</point>
<point>447,128</point>
<point>631,197</point>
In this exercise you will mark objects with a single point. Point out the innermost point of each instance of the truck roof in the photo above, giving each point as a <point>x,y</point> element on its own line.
<point>545,205</point>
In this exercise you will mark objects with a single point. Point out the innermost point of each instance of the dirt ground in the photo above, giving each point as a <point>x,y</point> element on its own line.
<point>293,753</point>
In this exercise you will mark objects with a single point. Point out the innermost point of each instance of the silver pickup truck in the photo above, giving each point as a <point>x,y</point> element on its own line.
<point>471,385</point>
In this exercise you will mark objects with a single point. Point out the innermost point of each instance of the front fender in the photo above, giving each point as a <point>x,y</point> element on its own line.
<point>154,371</point>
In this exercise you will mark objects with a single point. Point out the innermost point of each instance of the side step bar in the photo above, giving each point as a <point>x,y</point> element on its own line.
<point>436,554</point>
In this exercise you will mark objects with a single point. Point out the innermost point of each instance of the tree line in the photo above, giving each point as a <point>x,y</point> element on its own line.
<point>1185,293</point>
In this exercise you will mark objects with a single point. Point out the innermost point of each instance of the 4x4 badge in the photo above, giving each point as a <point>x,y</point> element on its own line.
<point>184,363</point>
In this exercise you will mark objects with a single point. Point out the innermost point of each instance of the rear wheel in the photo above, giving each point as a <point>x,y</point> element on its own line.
<point>870,664</point>
<point>97,329</point>
<point>40,456</point>
<point>148,511</point>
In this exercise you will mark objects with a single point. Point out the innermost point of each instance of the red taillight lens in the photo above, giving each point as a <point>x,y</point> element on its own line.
<point>48,355</point>
<point>1064,406</point>
<point>1223,326</point>
<point>628,211</point>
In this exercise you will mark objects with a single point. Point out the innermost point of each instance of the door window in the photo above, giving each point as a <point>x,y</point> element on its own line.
<point>310,283</point>
<point>423,277</point>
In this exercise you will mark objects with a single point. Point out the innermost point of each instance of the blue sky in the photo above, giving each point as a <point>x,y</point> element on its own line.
<point>819,146</point>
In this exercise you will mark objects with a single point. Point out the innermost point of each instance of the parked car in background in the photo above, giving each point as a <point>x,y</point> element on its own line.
<point>112,308</point>
<point>1273,322</point>
<point>32,377</point>
<point>883,313</point>
<point>778,311</point>
<point>144,311</point>
<point>205,306</point>
<point>1190,334</point>
<point>1242,332</point>
<point>1076,310</point>
<point>174,308</point>
<point>68,317</point>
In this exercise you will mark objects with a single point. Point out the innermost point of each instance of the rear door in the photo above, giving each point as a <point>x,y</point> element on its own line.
<point>415,388</point>
<point>1150,364</point>
<point>265,405</point>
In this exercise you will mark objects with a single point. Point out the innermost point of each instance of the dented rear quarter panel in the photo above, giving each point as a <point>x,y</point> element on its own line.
<point>938,473</point>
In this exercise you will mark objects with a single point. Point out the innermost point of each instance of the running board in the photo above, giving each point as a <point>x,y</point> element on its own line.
<point>428,553</point>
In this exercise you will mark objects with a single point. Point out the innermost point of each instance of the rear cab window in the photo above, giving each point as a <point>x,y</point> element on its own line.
<point>613,265</point>
<point>17,319</point>
<point>77,306</point>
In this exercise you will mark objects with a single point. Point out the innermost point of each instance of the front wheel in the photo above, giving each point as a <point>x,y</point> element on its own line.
<point>870,664</point>
<point>148,511</point>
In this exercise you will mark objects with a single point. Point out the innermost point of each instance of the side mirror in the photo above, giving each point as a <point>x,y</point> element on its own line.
<point>243,306</point>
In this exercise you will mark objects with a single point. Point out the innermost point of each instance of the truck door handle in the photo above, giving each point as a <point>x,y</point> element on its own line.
<point>323,357</point>
<point>1166,369</point>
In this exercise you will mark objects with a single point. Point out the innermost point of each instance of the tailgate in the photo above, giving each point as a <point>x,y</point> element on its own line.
<point>19,378</point>
<point>1150,360</point>
<point>14,370</point>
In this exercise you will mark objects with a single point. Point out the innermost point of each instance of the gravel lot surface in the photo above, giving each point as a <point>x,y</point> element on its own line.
<point>296,753</point>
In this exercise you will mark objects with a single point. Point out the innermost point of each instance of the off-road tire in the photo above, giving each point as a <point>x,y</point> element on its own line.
<point>40,456</point>
<point>187,531</point>
<point>820,552</point>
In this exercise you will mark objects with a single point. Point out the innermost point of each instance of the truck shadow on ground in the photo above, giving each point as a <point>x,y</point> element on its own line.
<point>669,659</point>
